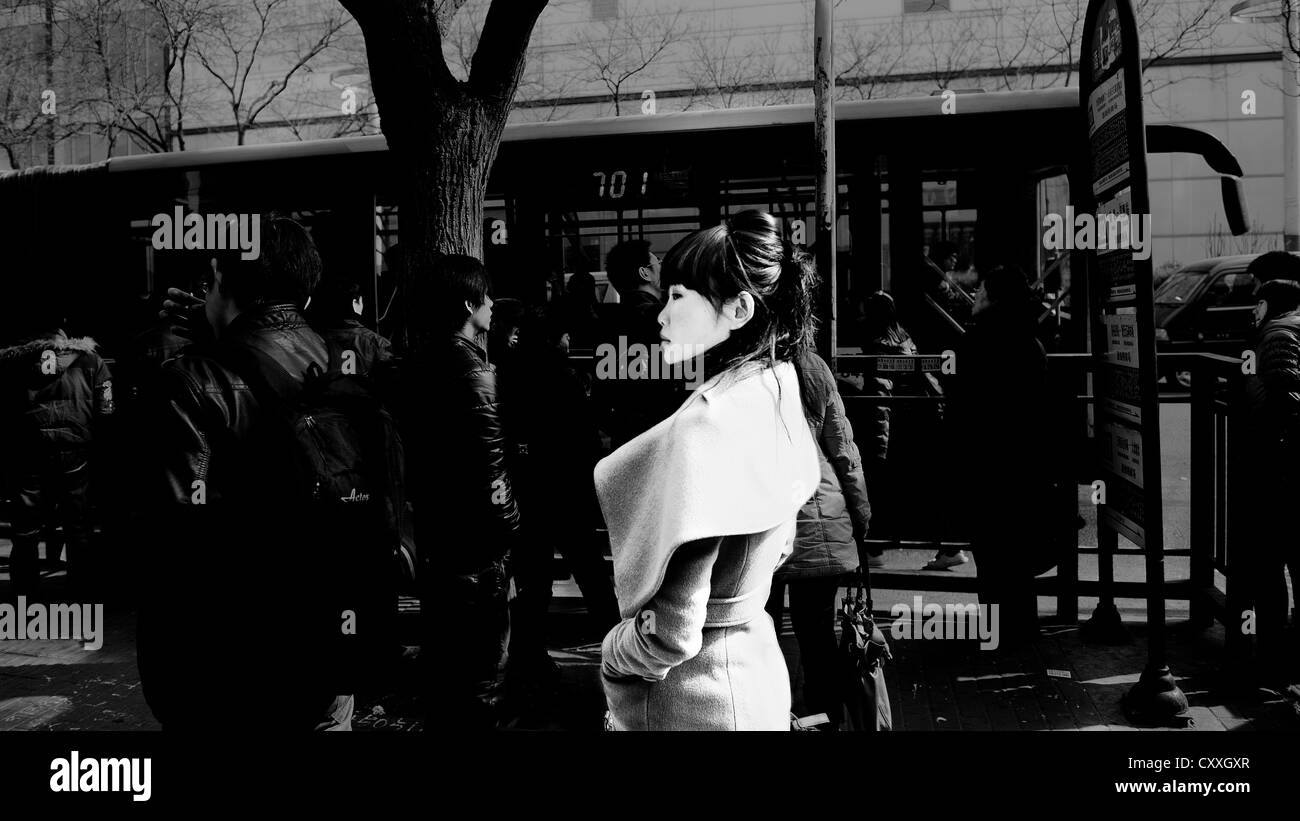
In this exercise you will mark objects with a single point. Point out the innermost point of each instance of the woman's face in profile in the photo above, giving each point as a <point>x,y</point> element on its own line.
<point>689,325</point>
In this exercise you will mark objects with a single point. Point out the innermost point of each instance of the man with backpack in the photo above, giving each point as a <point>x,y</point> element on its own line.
<point>275,502</point>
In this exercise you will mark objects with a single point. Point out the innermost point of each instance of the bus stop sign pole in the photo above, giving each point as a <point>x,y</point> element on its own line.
<point>1127,411</point>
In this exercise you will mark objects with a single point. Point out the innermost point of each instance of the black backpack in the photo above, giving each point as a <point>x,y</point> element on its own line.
<point>340,485</point>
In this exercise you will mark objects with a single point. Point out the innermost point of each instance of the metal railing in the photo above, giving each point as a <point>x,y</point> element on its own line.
<point>1217,421</point>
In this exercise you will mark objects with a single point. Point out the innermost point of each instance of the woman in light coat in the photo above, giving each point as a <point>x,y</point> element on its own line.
<point>701,508</point>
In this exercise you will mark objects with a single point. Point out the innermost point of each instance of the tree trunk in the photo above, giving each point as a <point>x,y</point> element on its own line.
<point>443,135</point>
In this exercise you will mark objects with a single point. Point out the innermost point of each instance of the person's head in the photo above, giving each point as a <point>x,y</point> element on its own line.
<point>739,292</point>
<point>287,270</point>
<point>1275,265</point>
<point>338,300</point>
<point>944,255</point>
<point>544,329</point>
<point>464,295</point>
<point>632,266</point>
<point>1003,285</point>
<point>581,287</point>
<point>880,317</point>
<point>1274,298</point>
<point>507,322</point>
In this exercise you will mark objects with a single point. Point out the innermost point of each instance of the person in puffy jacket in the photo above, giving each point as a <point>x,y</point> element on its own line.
<point>1273,394</point>
<point>893,454</point>
<point>54,389</point>
<point>828,531</point>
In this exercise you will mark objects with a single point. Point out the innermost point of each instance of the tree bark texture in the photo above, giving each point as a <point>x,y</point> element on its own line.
<point>443,133</point>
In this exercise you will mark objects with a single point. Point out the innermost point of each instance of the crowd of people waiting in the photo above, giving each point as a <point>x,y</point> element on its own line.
<point>261,398</point>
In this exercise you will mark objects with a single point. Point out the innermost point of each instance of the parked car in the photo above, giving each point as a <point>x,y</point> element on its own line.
<point>1205,307</point>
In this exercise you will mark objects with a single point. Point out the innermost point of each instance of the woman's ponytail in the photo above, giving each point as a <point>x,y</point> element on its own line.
<point>794,303</point>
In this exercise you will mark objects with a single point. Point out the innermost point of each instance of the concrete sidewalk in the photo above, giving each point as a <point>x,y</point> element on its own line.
<point>933,685</point>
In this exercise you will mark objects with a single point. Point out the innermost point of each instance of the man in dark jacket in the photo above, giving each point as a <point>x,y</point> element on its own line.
<point>334,313</point>
<point>557,447</point>
<point>1274,396</point>
<point>53,389</point>
<point>230,626</point>
<point>467,519</point>
<point>999,406</point>
<point>628,407</point>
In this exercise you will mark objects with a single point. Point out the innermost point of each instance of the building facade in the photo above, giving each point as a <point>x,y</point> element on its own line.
<point>307,78</point>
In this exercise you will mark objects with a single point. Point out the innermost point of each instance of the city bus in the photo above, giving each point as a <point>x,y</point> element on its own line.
<point>909,177</point>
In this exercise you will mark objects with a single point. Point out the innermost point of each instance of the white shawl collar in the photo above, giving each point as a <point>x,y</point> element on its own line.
<point>736,458</point>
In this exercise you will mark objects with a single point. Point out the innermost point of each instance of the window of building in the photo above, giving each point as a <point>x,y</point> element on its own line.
<point>604,9</point>
<point>921,6</point>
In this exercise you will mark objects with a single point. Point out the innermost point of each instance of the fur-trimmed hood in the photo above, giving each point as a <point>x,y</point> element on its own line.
<point>59,343</point>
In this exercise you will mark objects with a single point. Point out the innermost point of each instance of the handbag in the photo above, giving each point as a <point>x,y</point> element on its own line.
<point>863,653</point>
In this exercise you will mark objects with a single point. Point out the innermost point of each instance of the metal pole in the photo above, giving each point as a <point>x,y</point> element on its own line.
<point>824,133</point>
<point>49,79</point>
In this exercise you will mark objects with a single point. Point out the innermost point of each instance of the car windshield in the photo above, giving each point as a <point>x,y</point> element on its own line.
<point>1178,288</point>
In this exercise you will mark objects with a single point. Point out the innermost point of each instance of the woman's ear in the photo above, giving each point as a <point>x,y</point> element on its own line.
<point>739,310</point>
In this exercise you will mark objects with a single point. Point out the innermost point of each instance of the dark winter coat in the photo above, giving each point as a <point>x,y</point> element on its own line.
<point>877,443</point>
<point>209,403</point>
<point>553,440</point>
<point>999,406</point>
<point>225,566</point>
<point>51,391</point>
<point>372,351</point>
<point>1274,390</point>
<point>464,497</point>
<point>831,523</point>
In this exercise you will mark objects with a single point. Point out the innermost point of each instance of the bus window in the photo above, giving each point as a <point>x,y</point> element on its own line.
<point>581,240</point>
<point>948,231</point>
<point>1053,196</point>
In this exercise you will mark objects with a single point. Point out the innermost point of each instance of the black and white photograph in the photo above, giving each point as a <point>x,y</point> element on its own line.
<point>503,378</point>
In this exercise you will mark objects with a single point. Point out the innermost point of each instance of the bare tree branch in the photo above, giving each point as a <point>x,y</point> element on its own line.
<point>614,52</point>
<point>871,52</point>
<point>250,34</point>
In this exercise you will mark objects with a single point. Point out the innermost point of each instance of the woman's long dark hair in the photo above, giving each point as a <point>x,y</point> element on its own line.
<point>881,320</point>
<point>748,253</point>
